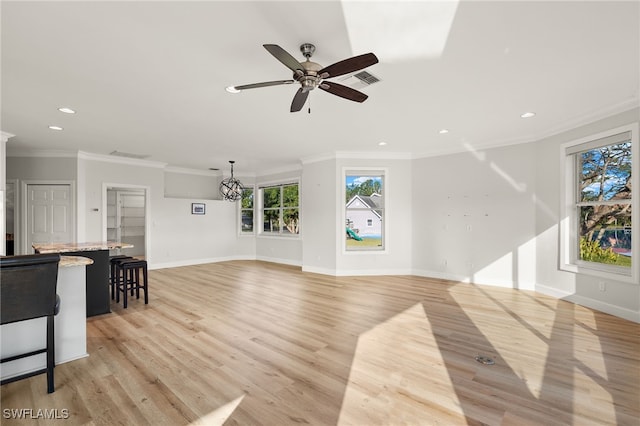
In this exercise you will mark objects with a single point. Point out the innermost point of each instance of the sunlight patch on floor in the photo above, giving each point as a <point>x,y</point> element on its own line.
<point>417,369</point>
<point>220,415</point>
<point>523,352</point>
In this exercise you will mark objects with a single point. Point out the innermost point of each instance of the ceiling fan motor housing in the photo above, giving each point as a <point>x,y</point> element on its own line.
<point>309,80</point>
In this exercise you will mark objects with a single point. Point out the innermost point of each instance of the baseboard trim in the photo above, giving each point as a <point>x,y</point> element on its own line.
<point>191,262</point>
<point>587,302</point>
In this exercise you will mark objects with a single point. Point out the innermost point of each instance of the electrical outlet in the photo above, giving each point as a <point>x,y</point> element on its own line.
<point>469,228</point>
<point>602,286</point>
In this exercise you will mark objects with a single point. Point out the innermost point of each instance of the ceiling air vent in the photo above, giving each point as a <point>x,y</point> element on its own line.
<point>366,77</point>
<point>129,155</point>
<point>359,80</point>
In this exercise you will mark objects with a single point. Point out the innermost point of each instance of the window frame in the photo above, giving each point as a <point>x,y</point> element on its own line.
<point>253,209</point>
<point>569,205</point>
<point>259,209</point>
<point>363,171</point>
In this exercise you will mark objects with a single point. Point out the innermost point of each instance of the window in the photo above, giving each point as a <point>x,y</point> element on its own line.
<point>364,210</point>
<point>600,206</point>
<point>246,211</point>
<point>280,209</point>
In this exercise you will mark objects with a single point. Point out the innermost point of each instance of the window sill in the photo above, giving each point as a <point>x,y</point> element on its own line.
<point>611,273</point>
<point>279,237</point>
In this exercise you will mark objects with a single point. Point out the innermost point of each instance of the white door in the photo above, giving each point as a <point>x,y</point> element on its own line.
<point>49,214</point>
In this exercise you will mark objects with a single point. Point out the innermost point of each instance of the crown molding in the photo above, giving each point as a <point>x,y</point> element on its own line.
<point>41,153</point>
<point>592,117</point>
<point>362,155</point>
<point>5,136</point>
<point>188,171</point>
<point>121,160</point>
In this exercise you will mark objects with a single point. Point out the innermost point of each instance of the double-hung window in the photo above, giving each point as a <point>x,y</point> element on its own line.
<point>600,216</point>
<point>246,211</point>
<point>280,209</point>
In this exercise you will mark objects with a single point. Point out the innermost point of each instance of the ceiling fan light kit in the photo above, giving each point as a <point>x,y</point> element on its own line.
<point>311,75</point>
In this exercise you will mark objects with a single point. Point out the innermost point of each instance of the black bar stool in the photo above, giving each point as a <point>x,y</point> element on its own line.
<point>113,275</point>
<point>27,291</point>
<point>128,279</point>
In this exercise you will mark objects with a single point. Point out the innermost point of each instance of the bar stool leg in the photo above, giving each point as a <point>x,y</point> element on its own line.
<point>137,284</point>
<point>145,284</point>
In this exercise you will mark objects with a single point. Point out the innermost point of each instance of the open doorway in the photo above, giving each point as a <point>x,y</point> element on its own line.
<point>126,218</point>
<point>10,210</point>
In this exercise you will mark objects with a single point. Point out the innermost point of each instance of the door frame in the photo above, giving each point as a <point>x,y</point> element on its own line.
<point>17,236</point>
<point>24,215</point>
<point>147,209</point>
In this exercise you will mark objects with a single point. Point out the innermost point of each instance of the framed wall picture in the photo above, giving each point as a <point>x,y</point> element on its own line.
<point>197,208</point>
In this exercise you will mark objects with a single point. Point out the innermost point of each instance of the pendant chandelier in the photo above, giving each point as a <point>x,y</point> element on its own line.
<point>231,188</point>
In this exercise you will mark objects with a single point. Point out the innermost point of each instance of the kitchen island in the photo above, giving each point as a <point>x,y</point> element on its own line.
<point>70,324</point>
<point>98,299</point>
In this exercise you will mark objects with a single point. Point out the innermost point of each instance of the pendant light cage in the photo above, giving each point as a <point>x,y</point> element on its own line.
<point>231,188</point>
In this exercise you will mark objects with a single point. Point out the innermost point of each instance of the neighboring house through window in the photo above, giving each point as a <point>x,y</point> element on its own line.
<point>364,210</point>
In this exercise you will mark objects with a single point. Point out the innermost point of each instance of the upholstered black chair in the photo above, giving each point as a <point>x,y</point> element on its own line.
<point>27,291</point>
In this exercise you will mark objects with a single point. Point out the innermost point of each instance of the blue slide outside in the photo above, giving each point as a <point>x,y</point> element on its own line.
<point>352,234</point>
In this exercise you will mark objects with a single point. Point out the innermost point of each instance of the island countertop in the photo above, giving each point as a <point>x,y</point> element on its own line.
<point>75,247</point>
<point>67,261</point>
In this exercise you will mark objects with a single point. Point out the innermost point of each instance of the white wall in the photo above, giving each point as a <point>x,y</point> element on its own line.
<point>175,236</point>
<point>42,168</point>
<point>474,217</point>
<point>185,185</point>
<point>398,196</point>
<point>323,205</point>
<point>620,298</point>
<point>318,214</point>
<point>38,168</point>
<point>280,249</point>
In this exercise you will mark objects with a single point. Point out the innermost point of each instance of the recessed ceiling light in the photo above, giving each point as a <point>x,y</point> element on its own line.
<point>528,115</point>
<point>382,143</point>
<point>66,110</point>
<point>55,127</point>
<point>232,89</point>
<point>443,131</point>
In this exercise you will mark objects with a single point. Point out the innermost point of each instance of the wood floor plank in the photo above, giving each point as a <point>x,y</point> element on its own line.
<point>256,343</point>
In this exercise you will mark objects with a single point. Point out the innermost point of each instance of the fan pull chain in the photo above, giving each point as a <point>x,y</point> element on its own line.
<point>309,110</point>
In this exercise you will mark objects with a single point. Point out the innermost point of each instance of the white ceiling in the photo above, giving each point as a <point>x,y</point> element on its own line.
<point>149,77</point>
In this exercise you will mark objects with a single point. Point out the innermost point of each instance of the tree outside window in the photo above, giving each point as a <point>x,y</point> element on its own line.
<point>597,235</point>
<point>603,205</point>
<point>246,211</point>
<point>281,209</point>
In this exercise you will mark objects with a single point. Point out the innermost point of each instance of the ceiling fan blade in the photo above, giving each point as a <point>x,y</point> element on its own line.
<point>349,65</point>
<point>283,56</point>
<point>343,91</point>
<point>265,84</point>
<point>298,100</point>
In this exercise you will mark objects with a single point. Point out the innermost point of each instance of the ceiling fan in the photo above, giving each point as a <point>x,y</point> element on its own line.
<point>311,75</point>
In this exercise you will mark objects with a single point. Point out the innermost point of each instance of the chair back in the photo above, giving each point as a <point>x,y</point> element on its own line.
<point>28,286</point>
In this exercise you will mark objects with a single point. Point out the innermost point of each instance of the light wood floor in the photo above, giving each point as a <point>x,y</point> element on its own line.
<point>258,343</point>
